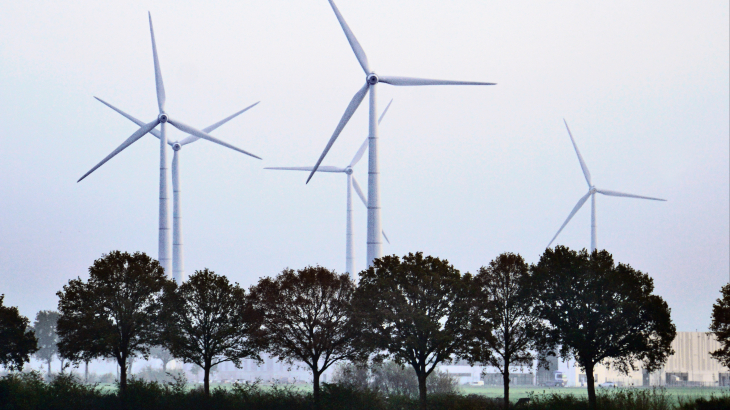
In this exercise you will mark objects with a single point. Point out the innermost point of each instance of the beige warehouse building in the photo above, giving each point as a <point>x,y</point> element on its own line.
<point>690,365</point>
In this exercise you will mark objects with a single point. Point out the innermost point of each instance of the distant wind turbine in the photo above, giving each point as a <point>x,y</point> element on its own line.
<point>162,119</point>
<point>592,190</point>
<point>371,80</point>
<point>351,181</point>
<point>178,261</point>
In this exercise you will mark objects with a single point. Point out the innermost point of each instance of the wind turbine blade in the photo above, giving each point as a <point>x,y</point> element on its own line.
<point>583,166</point>
<point>200,134</point>
<point>211,128</point>
<point>424,81</point>
<point>354,103</point>
<point>323,168</point>
<point>384,236</point>
<point>575,209</point>
<point>359,53</point>
<point>153,131</point>
<point>615,193</point>
<point>359,191</point>
<point>134,137</point>
<point>158,73</point>
<point>363,147</point>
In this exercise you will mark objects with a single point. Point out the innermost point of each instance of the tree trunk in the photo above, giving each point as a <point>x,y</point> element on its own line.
<point>123,376</point>
<point>422,389</point>
<point>591,387</point>
<point>86,371</point>
<point>505,379</point>
<point>49,368</point>
<point>206,378</point>
<point>315,385</point>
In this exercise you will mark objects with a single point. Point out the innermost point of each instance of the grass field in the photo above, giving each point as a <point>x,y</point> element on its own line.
<point>519,392</point>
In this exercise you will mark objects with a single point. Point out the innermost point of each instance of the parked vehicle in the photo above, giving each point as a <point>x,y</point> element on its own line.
<point>606,385</point>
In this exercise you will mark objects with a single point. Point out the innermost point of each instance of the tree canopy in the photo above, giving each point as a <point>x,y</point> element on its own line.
<point>413,309</point>
<point>17,341</point>
<point>503,329</point>
<point>600,312</point>
<point>45,330</point>
<point>720,326</point>
<point>115,313</point>
<point>308,318</point>
<point>208,320</point>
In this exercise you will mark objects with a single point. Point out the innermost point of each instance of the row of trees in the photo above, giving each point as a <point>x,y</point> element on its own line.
<point>418,311</point>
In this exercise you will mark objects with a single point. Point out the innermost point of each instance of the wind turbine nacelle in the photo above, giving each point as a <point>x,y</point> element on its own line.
<point>372,79</point>
<point>163,118</point>
<point>176,146</point>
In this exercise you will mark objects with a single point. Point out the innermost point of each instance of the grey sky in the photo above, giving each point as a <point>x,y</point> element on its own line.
<point>467,172</point>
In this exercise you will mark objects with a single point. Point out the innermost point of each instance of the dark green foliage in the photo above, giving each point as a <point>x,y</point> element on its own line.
<point>115,313</point>
<point>720,402</point>
<point>720,326</point>
<point>415,309</point>
<point>44,328</point>
<point>17,341</point>
<point>28,391</point>
<point>308,318</point>
<point>208,320</point>
<point>600,312</point>
<point>503,328</point>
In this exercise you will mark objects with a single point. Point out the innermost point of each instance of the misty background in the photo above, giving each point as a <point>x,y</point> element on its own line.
<point>467,172</point>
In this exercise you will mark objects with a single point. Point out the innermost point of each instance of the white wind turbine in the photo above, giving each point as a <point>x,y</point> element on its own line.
<point>371,80</point>
<point>592,190</point>
<point>351,181</point>
<point>178,262</point>
<point>162,119</point>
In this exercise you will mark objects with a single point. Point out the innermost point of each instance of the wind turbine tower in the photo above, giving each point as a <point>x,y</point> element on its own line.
<point>592,190</point>
<point>374,248</point>
<point>178,264</point>
<point>162,119</point>
<point>351,183</point>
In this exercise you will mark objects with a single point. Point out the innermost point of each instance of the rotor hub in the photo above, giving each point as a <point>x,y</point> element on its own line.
<point>348,171</point>
<point>176,146</point>
<point>162,117</point>
<point>372,79</point>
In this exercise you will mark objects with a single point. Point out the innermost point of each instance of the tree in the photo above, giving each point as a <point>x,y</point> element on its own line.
<point>207,320</point>
<point>414,309</point>
<point>307,318</point>
<point>45,330</point>
<point>502,324</point>
<point>600,312</point>
<point>163,354</point>
<point>720,326</point>
<point>115,313</point>
<point>17,341</point>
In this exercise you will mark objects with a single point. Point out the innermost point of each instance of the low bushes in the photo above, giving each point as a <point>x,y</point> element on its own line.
<point>28,391</point>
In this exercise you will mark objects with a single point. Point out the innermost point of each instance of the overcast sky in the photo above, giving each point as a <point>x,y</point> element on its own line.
<point>466,172</point>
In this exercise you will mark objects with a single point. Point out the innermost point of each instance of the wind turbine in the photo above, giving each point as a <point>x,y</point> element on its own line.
<point>592,190</point>
<point>178,264</point>
<point>351,181</point>
<point>162,119</point>
<point>371,81</point>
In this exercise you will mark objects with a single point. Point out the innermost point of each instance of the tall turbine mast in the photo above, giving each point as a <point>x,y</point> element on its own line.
<point>374,248</point>
<point>178,264</point>
<point>351,183</point>
<point>162,119</point>
<point>592,190</point>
